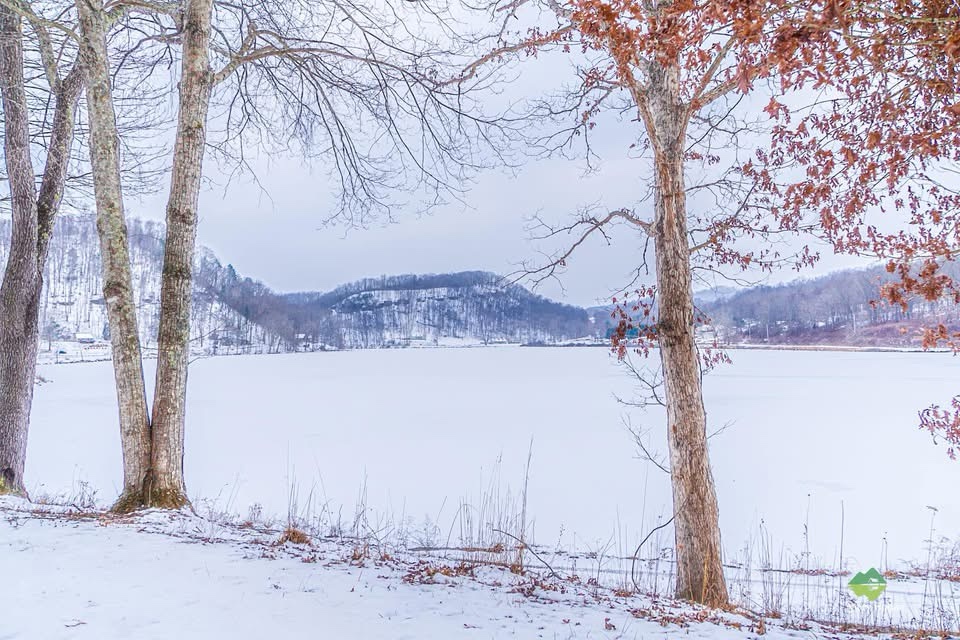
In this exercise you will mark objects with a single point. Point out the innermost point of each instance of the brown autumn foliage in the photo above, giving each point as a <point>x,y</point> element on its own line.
<point>945,423</point>
<point>863,137</point>
<point>880,149</point>
<point>294,535</point>
<point>852,149</point>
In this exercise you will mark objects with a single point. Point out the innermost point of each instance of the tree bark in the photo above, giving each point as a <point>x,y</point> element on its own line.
<point>696,514</point>
<point>115,255</point>
<point>20,291</point>
<point>173,351</point>
<point>33,219</point>
<point>54,179</point>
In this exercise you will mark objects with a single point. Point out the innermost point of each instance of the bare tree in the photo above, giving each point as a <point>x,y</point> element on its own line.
<point>722,199</point>
<point>34,212</point>
<point>325,78</point>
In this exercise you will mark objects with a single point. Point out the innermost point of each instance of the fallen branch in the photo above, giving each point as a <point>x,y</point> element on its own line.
<point>524,545</point>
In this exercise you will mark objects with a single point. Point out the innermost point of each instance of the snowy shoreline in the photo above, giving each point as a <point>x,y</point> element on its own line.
<point>82,574</point>
<point>150,354</point>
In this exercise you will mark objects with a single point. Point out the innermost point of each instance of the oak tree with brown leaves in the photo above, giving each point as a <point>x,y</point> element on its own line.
<point>861,120</point>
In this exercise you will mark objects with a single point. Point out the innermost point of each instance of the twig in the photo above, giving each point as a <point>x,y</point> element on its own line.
<point>633,561</point>
<point>531,550</point>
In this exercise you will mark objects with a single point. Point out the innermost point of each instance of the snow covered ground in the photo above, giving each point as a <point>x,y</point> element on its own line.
<point>175,575</point>
<point>428,448</point>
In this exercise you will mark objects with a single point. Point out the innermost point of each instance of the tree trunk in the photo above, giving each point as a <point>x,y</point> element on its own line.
<point>114,250</point>
<point>696,515</point>
<point>33,220</point>
<point>173,350</point>
<point>58,158</point>
<point>20,291</point>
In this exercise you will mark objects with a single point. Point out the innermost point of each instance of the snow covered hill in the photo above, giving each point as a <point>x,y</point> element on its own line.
<point>471,306</point>
<point>73,316</point>
<point>234,314</point>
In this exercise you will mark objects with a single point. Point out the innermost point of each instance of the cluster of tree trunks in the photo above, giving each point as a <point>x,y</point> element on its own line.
<point>152,442</point>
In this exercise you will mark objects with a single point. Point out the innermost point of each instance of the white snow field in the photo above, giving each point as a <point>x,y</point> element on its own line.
<point>814,435</point>
<point>427,444</point>
<point>170,575</point>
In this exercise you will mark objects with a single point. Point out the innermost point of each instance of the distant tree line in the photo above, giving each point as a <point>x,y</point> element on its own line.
<point>842,307</point>
<point>237,314</point>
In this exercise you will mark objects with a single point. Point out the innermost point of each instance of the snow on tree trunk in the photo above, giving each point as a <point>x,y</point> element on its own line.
<point>117,278</point>
<point>173,351</point>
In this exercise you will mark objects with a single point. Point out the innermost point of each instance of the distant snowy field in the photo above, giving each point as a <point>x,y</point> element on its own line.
<point>813,435</point>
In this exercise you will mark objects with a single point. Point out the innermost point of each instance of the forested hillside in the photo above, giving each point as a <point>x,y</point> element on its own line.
<point>841,308</point>
<point>237,314</point>
<point>838,308</point>
<point>232,313</point>
<point>429,308</point>
<point>72,300</point>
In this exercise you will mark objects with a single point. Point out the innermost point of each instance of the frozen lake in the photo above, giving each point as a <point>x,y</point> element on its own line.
<point>812,433</point>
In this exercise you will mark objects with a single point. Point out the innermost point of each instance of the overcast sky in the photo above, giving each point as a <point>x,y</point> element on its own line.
<point>273,231</point>
<point>277,236</point>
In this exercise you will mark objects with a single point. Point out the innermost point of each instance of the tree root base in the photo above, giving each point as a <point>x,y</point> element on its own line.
<point>152,498</point>
<point>715,598</point>
<point>12,491</point>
